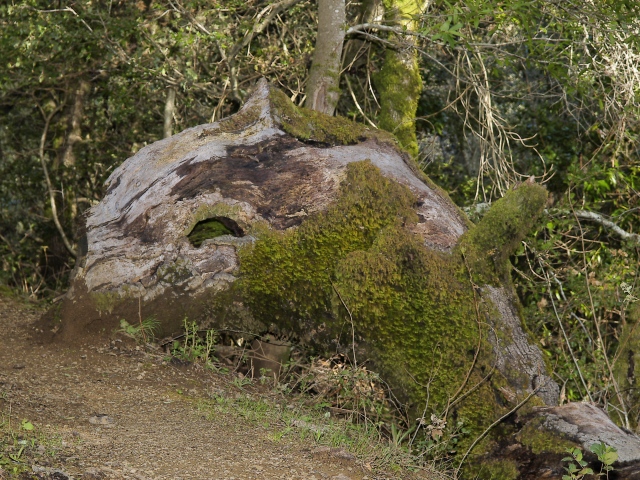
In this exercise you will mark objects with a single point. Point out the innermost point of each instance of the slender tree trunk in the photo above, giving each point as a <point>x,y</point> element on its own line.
<point>73,137</point>
<point>169,110</point>
<point>75,124</point>
<point>399,82</point>
<point>324,78</point>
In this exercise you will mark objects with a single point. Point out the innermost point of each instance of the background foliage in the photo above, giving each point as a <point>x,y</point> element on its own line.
<point>512,88</point>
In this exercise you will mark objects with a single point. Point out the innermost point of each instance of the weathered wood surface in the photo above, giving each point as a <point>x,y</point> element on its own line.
<point>256,170</point>
<point>544,435</point>
<point>586,424</point>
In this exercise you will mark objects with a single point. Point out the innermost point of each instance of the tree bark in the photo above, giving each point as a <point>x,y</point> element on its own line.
<point>399,82</point>
<point>169,109</point>
<point>68,157</point>
<point>324,78</point>
<point>75,122</point>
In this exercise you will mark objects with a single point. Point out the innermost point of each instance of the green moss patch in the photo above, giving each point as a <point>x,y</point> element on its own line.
<point>416,312</point>
<point>540,440</point>
<point>311,126</point>
<point>235,123</point>
<point>288,275</point>
<point>400,86</point>
<point>105,302</point>
<point>413,308</point>
<point>489,244</point>
<point>497,469</point>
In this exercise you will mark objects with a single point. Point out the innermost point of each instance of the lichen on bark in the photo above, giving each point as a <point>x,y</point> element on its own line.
<point>399,85</point>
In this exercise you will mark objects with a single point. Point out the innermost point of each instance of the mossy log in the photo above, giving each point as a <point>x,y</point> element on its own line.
<point>302,208</point>
<point>627,366</point>
<point>280,219</point>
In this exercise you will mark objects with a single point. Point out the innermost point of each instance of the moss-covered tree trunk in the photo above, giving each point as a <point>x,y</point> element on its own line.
<point>324,78</point>
<point>399,81</point>
<point>627,364</point>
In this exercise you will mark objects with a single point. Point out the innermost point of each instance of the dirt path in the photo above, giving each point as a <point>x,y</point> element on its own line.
<point>114,412</point>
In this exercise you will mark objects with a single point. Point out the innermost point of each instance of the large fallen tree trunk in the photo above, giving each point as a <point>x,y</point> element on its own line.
<point>284,220</point>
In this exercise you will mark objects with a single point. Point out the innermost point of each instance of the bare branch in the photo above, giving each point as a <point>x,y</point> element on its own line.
<point>564,333</point>
<point>596,217</point>
<point>602,345</point>
<point>384,28</point>
<point>52,200</point>
<point>180,9</point>
<point>355,100</point>
<point>273,10</point>
<point>71,10</point>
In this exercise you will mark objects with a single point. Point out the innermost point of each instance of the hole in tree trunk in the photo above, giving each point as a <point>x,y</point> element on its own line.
<point>212,228</point>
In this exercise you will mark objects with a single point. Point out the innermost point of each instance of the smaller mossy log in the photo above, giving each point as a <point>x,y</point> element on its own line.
<point>489,244</point>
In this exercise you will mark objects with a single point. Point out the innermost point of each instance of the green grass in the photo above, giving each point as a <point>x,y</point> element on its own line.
<point>294,419</point>
<point>142,332</point>
<point>22,444</point>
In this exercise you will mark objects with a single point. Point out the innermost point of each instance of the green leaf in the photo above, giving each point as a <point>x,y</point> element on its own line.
<point>27,425</point>
<point>609,458</point>
<point>598,448</point>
